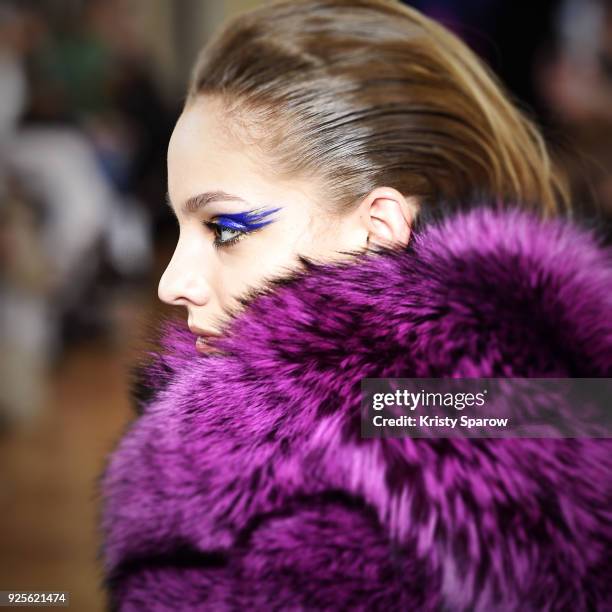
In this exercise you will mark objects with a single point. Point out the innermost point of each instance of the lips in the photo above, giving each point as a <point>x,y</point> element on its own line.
<point>202,345</point>
<point>203,336</point>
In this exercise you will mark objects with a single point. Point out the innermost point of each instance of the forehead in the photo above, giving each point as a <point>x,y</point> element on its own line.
<point>200,136</point>
<point>203,156</point>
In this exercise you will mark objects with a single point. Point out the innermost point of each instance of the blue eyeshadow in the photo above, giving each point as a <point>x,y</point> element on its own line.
<point>246,221</point>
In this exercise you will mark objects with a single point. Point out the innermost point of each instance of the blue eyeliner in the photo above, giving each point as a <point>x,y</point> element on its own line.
<point>246,221</point>
<point>241,223</point>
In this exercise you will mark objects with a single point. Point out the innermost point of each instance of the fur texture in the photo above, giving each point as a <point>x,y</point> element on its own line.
<point>244,483</point>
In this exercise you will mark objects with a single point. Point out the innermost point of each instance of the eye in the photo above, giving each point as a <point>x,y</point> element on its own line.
<point>224,236</point>
<point>230,228</point>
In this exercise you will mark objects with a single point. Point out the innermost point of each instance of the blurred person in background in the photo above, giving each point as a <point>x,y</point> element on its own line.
<point>72,153</point>
<point>90,73</point>
<point>491,28</point>
<point>558,71</point>
<point>576,80</point>
<point>80,163</point>
<point>25,330</point>
<point>98,66</point>
<point>357,197</point>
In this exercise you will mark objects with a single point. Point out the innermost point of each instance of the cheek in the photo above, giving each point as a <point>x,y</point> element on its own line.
<point>261,257</point>
<point>321,238</point>
<point>266,255</point>
<point>243,268</point>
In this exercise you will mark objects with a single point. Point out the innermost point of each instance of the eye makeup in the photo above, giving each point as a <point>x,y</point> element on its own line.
<point>231,227</point>
<point>249,220</point>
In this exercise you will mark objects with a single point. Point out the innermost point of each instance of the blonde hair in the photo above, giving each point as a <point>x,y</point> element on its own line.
<point>371,92</point>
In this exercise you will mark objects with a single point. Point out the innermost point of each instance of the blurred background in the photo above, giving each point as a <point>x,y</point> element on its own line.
<point>90,90</point>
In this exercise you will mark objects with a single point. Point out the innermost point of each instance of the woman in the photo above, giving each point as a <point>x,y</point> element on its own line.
<point>352,190</point>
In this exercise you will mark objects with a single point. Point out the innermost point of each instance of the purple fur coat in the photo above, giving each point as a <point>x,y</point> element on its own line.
<point>244,484</point>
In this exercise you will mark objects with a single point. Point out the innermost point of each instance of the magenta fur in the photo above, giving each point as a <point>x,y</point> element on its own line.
<point>243,481</point>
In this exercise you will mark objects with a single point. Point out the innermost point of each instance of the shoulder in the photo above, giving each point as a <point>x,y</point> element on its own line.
<point>225,441</point>
<point>483,294</point>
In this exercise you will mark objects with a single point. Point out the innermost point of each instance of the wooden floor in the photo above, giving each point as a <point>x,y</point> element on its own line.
<point>48,500</point>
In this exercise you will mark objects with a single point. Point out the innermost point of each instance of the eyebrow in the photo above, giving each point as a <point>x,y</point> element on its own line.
<point>197,202</point>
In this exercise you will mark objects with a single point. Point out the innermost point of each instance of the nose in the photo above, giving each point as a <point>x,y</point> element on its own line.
<point>183,282</point>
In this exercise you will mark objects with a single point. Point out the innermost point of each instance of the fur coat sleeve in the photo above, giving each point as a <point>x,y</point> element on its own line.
<point>243,481</point>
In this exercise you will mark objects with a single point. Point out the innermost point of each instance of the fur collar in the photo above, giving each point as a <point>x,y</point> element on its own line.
<point>244,480</point>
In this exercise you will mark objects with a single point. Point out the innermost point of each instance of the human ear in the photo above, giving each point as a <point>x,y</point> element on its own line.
<point>388,216</point>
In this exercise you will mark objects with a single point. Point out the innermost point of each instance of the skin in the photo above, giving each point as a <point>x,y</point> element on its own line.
<point>206,279</point>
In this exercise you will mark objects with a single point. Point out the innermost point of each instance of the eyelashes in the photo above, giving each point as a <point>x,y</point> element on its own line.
<point>232,227</point>
<point>252,219</point>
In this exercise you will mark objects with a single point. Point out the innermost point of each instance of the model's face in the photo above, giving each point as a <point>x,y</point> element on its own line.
<point>237,226</point>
